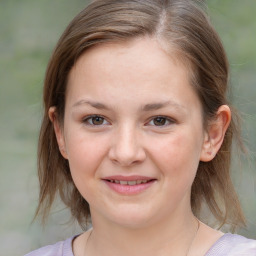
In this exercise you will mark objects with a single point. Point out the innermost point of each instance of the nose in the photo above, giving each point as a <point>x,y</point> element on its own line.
<point>126,148</point>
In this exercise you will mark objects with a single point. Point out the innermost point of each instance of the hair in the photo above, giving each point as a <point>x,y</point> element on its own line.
<point>183,26</point>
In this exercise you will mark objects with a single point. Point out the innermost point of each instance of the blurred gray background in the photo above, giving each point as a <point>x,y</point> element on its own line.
<point>29,31</point>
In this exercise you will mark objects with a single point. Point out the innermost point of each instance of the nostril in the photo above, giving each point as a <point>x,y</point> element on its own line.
<point>126,148</point>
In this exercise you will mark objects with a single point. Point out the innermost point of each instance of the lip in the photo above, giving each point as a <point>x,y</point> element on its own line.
<point>126,189</point>
<point>128,178</point>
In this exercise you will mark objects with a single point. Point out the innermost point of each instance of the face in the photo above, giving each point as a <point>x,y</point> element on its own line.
<point>133,133</point>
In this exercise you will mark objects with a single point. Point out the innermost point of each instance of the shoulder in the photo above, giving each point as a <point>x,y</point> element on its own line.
<point>233,245</point>
<point>62,248</point>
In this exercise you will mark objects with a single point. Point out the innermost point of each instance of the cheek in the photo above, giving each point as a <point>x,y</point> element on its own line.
<point>177,156</point>
<point>85,153</point>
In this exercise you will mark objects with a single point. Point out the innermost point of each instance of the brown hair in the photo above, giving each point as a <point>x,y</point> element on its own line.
<point>182,25</point>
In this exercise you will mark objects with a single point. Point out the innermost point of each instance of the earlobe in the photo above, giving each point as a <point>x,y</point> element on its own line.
<point>215,133</point>
<point>58,131</point>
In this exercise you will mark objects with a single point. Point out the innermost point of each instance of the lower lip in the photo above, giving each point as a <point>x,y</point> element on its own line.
<point>128,189</point>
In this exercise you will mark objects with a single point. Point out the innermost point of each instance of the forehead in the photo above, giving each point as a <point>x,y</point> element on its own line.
<point>140,55</point>
<point>139,66</point>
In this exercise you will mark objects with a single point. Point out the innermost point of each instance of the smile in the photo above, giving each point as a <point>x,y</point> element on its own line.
<point>130,183</point>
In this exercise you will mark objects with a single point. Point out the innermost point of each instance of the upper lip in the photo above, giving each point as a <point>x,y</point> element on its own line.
<point>128,178</point>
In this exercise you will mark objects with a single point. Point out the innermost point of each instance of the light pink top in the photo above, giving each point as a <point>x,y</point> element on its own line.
<point>227,245</point>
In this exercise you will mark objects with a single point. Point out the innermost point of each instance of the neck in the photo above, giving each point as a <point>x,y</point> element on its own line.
<point>172,237</point>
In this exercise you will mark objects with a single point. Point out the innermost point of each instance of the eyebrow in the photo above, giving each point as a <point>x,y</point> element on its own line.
<point>97,105</point>
<point>156,106</point>
<point>147,107</point>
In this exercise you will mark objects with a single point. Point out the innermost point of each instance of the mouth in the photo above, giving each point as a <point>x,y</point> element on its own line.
<point>129,185</point>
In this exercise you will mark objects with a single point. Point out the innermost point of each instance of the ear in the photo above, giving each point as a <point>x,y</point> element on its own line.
<point>215,133</point>
<point>58,131</point>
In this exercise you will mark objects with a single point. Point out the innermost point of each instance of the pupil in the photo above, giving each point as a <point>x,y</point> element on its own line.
<point>97,120</point>
<point>159,121</point>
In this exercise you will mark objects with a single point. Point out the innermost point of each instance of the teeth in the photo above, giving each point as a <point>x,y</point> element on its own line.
<point>141,181</point>
<point>130,183</point>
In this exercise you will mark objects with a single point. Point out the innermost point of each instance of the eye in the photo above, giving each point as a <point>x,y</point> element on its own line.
<point>95,120</point>
<point>161,121</point>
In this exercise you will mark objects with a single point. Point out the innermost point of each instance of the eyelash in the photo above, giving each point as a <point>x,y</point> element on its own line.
<point>165,118</point>
<point>89,121</point>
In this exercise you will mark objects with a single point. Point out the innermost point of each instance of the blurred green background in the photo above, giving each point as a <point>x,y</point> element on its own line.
<point>29,31</point>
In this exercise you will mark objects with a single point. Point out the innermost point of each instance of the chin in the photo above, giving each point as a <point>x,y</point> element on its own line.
<point>131,218</point>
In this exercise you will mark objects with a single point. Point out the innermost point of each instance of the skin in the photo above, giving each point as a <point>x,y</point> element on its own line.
<point>128,85</point>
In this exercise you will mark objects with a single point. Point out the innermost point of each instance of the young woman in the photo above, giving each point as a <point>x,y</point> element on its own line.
<point>136,135</point>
